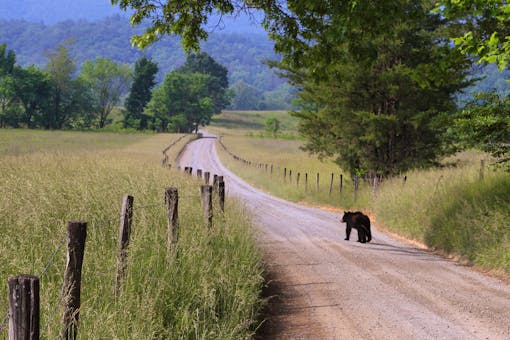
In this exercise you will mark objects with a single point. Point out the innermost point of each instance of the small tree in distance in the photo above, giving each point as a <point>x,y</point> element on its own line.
<point>272,126</point>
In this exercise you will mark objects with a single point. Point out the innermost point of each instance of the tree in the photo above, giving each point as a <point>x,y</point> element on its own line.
<point>60,67</point>
<point>107,82</point>
<point>7,92</point>
<point>245,97</point>
<point>32,87</point>
<point>480,28</point>
<point>181,103</point>
<point>218,82</point>
<point>140,93</point>
<point>272,125</point>
<point>376,86</point>
<point>485,123</point>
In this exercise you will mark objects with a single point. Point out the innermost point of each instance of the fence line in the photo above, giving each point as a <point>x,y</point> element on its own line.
<point>72,276</point>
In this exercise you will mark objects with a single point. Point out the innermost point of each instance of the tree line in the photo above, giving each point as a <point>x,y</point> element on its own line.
<point>377,81</point>
<point>57,97</point>
<point>255,85</point>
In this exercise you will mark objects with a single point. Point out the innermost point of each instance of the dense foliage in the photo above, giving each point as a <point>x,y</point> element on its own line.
<point>242,53</point>
<point>140,93</point>
<point>189,96</point>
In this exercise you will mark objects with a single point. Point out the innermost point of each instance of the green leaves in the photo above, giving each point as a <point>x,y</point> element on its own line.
<point>485,124</point>
<point>107,82</point>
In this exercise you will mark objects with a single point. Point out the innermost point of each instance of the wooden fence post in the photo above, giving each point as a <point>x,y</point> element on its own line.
<point>356,186</point>
<point>404,180</point>
<point>341,184</point>
<point>375,184</point>
<point>221,194</point>
<point>306,182</point>
<point>24,307</point>
<point>77,233</point>
<point>199,173</point>
<point>126,217</point>
<point>482,169</point>
<point>331,184</point>
<point>207,176</point>
<point>206,194</point>
<point>172,203</point>
<point>215,184</point>
<point>297,179</point>
<point>284,174</point>
<point>317,182</point>
<point>290,176</point>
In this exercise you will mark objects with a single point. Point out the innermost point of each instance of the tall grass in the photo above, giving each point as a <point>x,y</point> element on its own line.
<point>209,290</point>
<point>452,209</point>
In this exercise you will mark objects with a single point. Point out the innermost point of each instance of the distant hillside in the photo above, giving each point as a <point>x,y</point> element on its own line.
<point>55,11</point>
<point>52,11</point>
<point>243,54</point>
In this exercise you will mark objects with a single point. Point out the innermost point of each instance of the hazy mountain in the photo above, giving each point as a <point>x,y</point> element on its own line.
<point>54,11</point>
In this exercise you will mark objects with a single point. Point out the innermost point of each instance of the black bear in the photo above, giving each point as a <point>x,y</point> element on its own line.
<point>358,221</point>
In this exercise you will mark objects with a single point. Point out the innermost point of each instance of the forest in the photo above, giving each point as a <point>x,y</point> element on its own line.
<point>255,84</point>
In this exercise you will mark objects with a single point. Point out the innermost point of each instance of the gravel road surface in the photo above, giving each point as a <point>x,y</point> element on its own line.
<point>328,288</point>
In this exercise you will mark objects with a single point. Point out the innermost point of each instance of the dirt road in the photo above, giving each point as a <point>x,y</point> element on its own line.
<point>328,288</point>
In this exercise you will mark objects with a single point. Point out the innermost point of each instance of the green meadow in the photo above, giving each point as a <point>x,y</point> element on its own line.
<point>209,290</point>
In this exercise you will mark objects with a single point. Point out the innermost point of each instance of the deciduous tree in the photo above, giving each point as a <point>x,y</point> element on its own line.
<point>107,82</point>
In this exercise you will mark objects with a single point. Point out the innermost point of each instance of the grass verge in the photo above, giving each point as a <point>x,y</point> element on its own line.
<point>210,290</point>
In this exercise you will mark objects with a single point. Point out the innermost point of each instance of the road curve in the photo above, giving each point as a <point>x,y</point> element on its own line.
<point>329,288</point>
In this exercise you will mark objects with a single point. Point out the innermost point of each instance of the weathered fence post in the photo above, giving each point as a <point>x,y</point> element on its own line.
<point>341,184</point>
<point>24,307</point>
<point>297,179</point>
<point>284,174</point>
<point>207,176</point>
<point>290,176</point>
<point>331,184</point>
<point>172,203</point>
<point>215,184</point>
<point>376,185</point>
<point>126,216</point>
<point>190,170</point>
<point>206,194</point>
<point>482,169</point>
<point>221,194</point>
<point>164,161</point>
<point>317,182</point>
<point>77,233</point>
<point>199,173</point>
<point>271,170</point>
<point>306,182</point>
<point>404,180</point>
<point>356,186</point>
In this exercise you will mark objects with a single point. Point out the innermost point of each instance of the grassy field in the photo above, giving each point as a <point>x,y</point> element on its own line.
<point>252,123</point>
<point>449,208</point>
<point>210,291</point>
